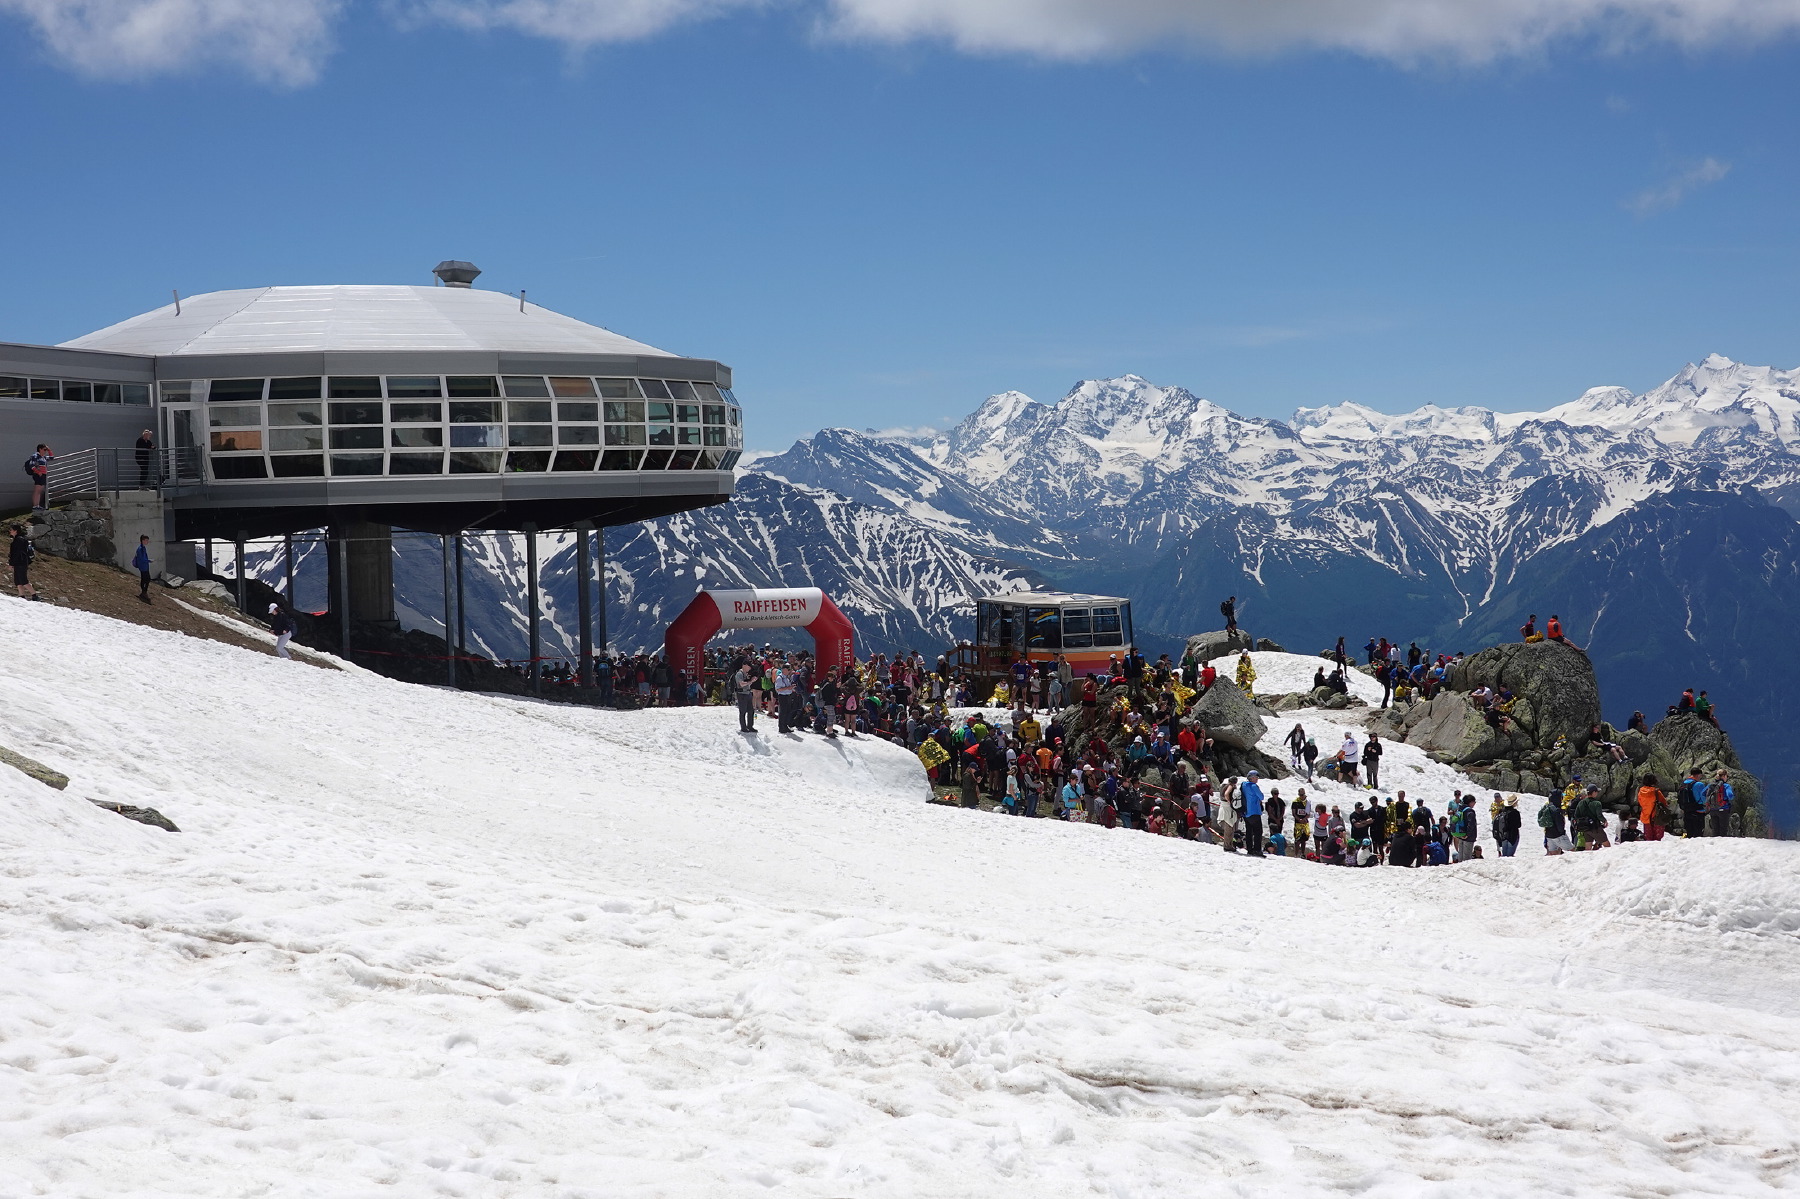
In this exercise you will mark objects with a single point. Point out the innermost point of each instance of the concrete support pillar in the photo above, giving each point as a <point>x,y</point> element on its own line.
<point>368,558</point>
<point>536,668</point>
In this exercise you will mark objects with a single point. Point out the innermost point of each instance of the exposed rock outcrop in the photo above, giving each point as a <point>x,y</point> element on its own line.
<point>1229,715</point>
<point>1206,646</point>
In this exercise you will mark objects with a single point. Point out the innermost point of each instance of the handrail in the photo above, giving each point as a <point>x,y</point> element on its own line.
<point>99,469</point>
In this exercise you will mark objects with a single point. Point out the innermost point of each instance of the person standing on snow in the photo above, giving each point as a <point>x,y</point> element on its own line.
<point>1719,799</point>
<point>20,554</point>
<point>1507,825</point>
<point>1309,754</point>
<point>1296,741</point>
<point>282,625</point>
<point>1250,793</point>
<point>1691,796</point>
<point>1225,815</point>
<point>1371,761</point>
<point>745,683</point>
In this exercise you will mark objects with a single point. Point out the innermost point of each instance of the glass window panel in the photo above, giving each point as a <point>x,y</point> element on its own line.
<point>304,387</point>
<point>578,435</point>
<point>715,436</point>
<point>108,393</point>
<point>624,435</point>
<point>726,392</point>
<point>296,439</point>
<point>731,459</point>
<point>354,387</point>
<point>240,468</point>
<point>528,435</point>
<point>1043,628</point>
<point>662,413</point>
<point>1075,620</point>
<point>580,414</point>
<point>621,459</point>
<point>662,435</point>
<point>656,459</point>
<point>684,459</point>
<point>297,466</point>
<point>356,464</point>
<point>1125,616</point>
<point>229,441</point>
<point>474,464</point>
<point>528,413</point>
<point>356,414</point>
<point>294,414</point>
<point>242,414</point>
<point>406,387</point>
<point>471,387</point>
<point>681,389</point>
<point>475,437</point>
<point>363,438</point>
<point>687,435</point>
<point>529,386</point>
<point>655,389</point>
<point>735,437</point>
<point>84,392</point>
<point>46,389</point>
<point>733,416</point>
<point>575,459</point>
<point>13,388</point>
<point>474,414</point>
<point>416,414</point>
<point>416,438</point>
<point>237,391</point>
<point>618,389</point>
<point>708,393</point>
<point>174,391</point>
<point>625,411</point>
<point>710,459</point>
<point>1106,627</point>
<point>527,461</point>
<point>574,389</point>
<point>715,414</point>
<point>687,414</point>
<point>415,464</point>
<point>137,393</point>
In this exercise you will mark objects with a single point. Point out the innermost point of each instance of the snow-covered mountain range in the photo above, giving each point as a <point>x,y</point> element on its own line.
<point>1445,524</point>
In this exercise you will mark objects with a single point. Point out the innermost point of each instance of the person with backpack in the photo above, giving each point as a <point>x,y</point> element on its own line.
<point>20,553</point>
<point>1507,825</point>
<point>1653,808</point>
<point>1590,821</point>
<point>140,562</point>
<point>1556,828</point>
<point>1719,797</point>
<point>282,625</point>
<point>1690,797</point>
<point>38,468</point>
<point>1228,610</point>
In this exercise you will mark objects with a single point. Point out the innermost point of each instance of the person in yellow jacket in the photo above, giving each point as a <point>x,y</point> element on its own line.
<point>1030,731</point>
<point>1246,674</point>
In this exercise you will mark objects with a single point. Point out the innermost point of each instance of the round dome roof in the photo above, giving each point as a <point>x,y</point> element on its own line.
<point>274,320</point>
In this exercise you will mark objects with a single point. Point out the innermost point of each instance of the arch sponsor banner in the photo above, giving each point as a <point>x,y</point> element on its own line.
<point>768,607</point>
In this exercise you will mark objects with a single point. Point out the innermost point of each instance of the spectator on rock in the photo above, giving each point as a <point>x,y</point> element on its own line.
<point>1638,724</point>
<point>1703,708</point>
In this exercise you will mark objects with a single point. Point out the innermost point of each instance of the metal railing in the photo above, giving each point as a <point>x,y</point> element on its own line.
<point>112,469</point>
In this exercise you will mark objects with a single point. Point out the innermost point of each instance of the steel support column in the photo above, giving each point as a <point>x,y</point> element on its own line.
<point>584,602</point>
<point>449,649</point>
<point>531,589</point>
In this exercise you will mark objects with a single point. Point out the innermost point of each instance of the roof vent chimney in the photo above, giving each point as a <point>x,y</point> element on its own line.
<point>456,273</point>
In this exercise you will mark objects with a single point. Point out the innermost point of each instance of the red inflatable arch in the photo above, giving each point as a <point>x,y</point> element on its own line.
<point>759,608</point>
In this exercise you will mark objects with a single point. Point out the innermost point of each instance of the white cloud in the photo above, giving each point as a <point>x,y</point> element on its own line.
<point>286,41</point>
<point>1676,188</point>
<point>1398,30</point>
<point>279,41</point>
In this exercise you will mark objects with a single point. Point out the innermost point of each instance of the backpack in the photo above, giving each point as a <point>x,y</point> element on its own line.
<point>1224,607</point>
<point>30,470</point>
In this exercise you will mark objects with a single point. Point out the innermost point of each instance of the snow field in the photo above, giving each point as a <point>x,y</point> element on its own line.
<point>417,943</point>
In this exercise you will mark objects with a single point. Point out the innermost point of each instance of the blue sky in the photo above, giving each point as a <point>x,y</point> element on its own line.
<point>881,227</point>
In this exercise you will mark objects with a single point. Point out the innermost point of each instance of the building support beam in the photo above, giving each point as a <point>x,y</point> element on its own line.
<point>531,591</point>
<point>584,601</point>
<point>449,629</point>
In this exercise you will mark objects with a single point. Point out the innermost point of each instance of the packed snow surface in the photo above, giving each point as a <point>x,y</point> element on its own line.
<point>417,943</point>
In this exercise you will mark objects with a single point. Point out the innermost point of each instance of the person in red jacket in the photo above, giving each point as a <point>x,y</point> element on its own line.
<point>1554,631</point>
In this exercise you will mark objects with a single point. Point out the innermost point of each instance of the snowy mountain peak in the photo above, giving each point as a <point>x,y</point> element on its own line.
<point>1716,397</point>
<point>1350,421</point>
